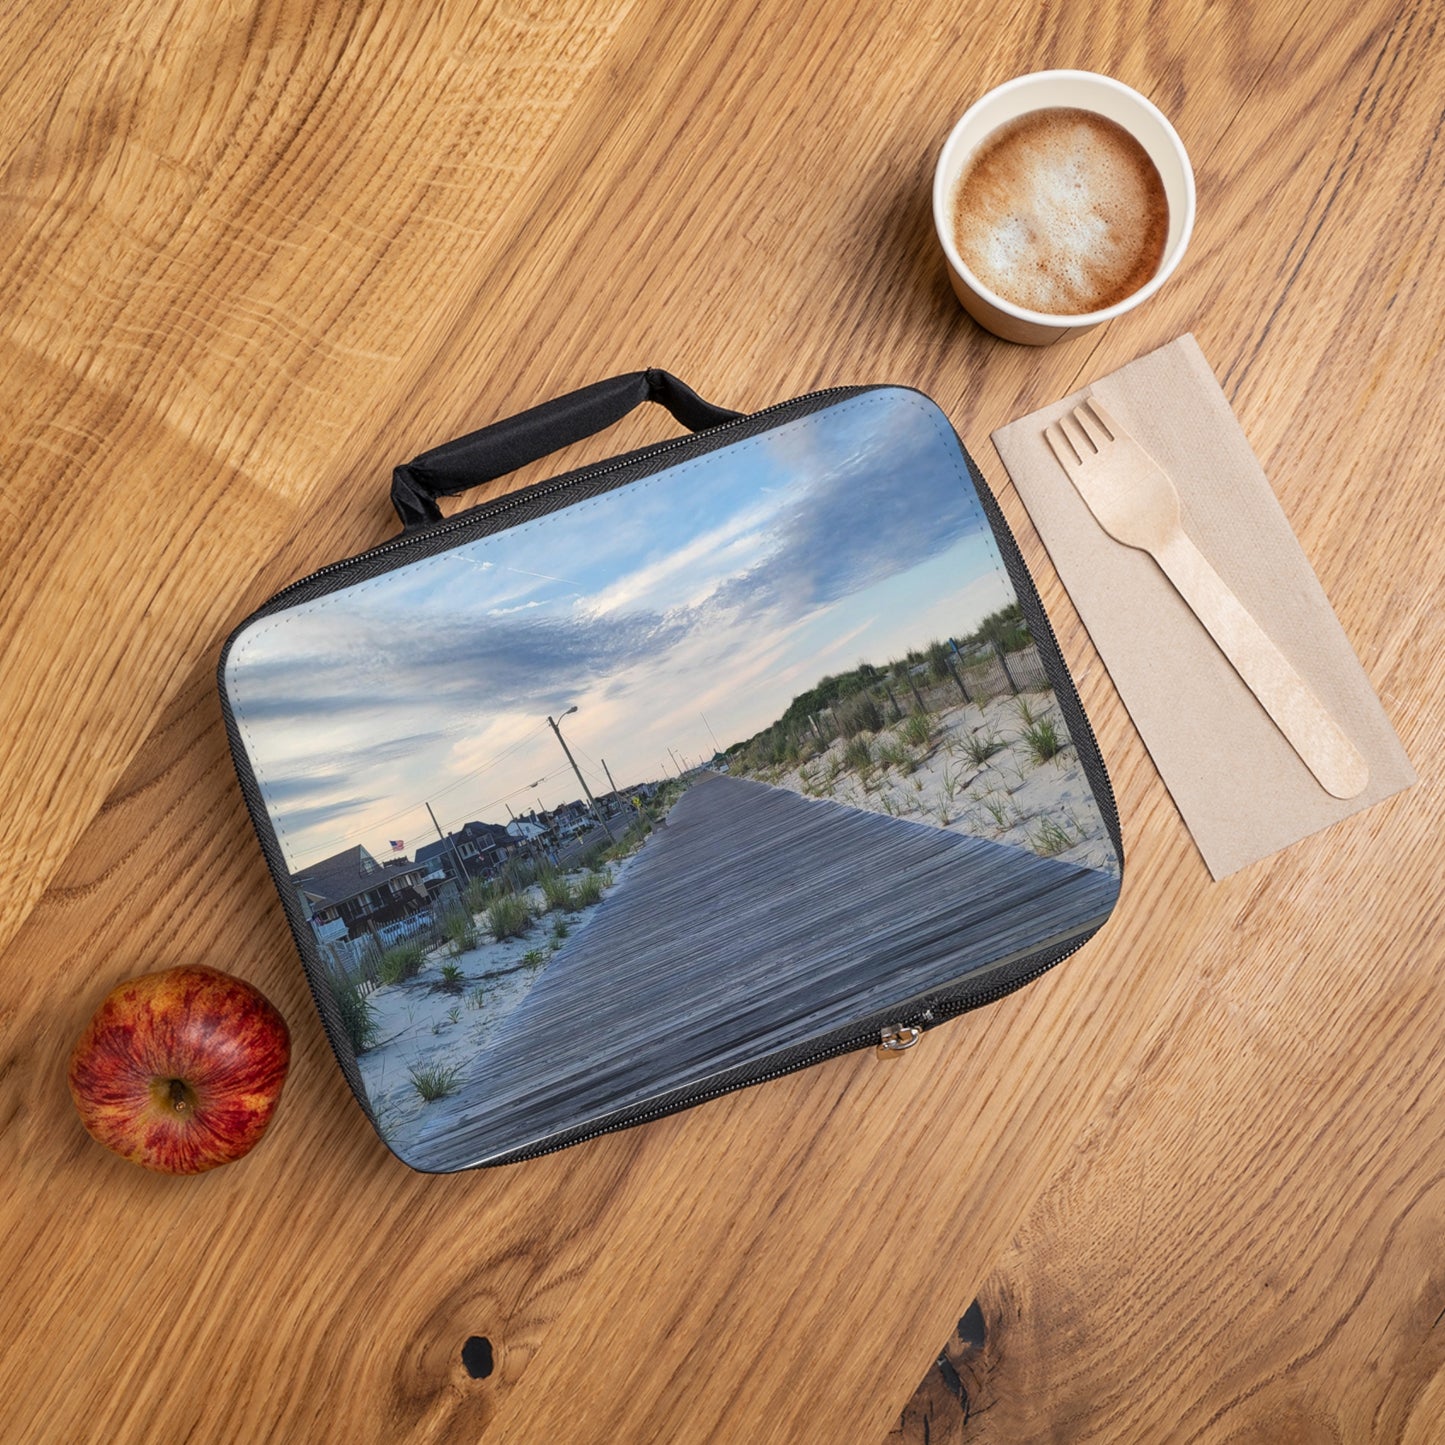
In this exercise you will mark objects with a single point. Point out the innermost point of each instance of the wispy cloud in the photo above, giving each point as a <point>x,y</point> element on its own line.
<point>696,563</point>
<point>297,820</point>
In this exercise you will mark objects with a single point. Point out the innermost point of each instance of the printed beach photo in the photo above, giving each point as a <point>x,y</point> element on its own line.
<point>623,797</point>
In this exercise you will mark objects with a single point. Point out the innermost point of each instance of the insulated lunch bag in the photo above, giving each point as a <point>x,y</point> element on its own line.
<point>668,775</point>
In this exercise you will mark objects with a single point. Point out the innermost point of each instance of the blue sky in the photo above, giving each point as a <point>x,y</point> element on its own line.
<point>691,606</point>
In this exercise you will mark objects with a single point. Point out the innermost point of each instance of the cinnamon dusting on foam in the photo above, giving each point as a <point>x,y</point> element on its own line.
<point>1061,211</point>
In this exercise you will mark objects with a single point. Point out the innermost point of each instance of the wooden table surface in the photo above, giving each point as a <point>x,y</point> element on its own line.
<point>1190,1186</point>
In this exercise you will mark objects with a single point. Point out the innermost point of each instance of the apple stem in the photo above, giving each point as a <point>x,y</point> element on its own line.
<point>179,1102</point>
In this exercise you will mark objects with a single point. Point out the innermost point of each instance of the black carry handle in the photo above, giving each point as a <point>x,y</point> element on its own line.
<point>495,450</point>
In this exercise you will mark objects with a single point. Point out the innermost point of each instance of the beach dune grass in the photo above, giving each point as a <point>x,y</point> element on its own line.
<point>860,713</point>
<point>508,916</point>
<point>435,1081</point>
<point>1028,712</point>
<point>917,729</point>
<point>460,931</point>
<point>1043,740</point>
<point>358,1013</point>
<point>589,888</point>
<point>401,961</point>
<point>894,754</point>
<point>979,747</point>
<point>478,895</point>
<point>1050,838</point>
<point>558,893</point>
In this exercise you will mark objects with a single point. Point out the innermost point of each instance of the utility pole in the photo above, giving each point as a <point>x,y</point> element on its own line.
<point>461,866</point>
<point>608,771</point>
<point>675,762</point>
<point>601,817</point>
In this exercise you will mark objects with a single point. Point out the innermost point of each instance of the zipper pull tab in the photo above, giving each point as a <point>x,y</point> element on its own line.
<point>895,1039</point>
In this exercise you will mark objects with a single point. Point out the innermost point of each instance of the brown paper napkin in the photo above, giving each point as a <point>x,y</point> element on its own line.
<point>1240,787</point>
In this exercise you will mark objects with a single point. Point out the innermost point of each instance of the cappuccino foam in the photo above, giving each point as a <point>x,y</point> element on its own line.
<point>1061,211</point>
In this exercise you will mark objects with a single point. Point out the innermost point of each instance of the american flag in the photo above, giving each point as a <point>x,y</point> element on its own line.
<point>397,845</point>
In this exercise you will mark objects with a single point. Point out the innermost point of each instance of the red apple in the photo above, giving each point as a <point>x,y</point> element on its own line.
<point>181,1070</point>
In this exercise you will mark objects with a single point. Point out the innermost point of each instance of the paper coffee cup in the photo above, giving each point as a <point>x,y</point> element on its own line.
<point>1074,89</point>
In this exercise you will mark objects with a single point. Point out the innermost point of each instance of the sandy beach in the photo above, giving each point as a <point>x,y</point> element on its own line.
<point>978,770</point>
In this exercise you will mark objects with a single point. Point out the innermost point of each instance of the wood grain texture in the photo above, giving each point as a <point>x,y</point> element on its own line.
<point>255,254</point>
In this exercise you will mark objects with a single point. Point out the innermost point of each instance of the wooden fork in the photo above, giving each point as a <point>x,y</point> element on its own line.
<point>1134,501</point>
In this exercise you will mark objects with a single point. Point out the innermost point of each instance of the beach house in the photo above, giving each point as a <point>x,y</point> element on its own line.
<point>351,894</point>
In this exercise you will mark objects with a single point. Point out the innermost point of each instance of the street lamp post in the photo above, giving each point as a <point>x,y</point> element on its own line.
<point>554,724</point>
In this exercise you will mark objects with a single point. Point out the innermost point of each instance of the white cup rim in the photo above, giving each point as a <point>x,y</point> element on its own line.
<point>944,185</point>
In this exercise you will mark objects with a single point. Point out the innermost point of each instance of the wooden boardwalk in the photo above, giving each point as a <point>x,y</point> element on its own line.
<point>752,920</point>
